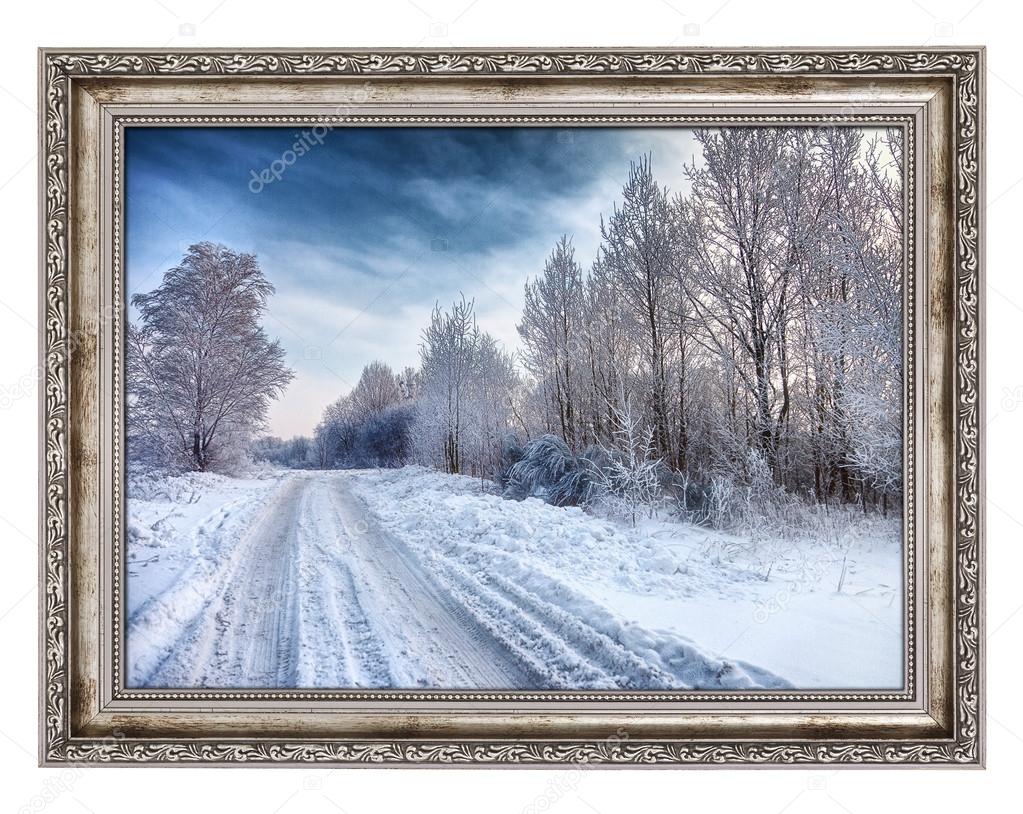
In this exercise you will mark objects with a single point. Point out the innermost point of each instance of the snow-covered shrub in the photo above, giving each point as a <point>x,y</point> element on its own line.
<point>511,454</point>
<point>578,486</point>
<point>692,500</point>
<point>622,479</point>
<point>761,484</point>
<point>626,489</point>
<point>748,503</point>
<point>628,477</point>
<point>546,468</point>
<point>722,503</point>
<point>545,462</point>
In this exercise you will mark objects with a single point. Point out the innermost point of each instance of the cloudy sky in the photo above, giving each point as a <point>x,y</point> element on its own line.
<point>370,227</point>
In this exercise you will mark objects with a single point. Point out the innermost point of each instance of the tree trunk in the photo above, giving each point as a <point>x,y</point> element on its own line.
<point>198,453</point>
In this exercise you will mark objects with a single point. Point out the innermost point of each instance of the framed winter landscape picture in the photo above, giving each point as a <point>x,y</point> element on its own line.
<point>512,407</point>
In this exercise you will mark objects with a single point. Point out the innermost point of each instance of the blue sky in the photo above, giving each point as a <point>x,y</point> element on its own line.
<point>370,227</point>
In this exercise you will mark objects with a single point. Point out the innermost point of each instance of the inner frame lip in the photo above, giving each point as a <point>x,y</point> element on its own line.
<point>912,696</point>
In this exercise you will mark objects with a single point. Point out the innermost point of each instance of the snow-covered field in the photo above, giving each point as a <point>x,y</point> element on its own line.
<point>412,578</point>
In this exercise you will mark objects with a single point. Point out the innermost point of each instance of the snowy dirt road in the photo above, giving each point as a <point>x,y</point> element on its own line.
<point>402,579</point>
<point>317,595</point>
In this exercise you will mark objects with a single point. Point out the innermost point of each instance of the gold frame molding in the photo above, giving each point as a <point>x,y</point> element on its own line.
<point>88,97</point>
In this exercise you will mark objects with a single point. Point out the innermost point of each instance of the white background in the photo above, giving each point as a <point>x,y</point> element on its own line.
<point>441,23</point>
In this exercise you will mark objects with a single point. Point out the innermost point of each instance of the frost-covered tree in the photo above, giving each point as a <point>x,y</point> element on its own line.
<point>325,443</point>
<point>383,439</point>
<point>201,371</point>
<point>368,426</point>
<point>874,399</point>
<point>641,251</point>
<point>860,323</point>
<point>337,430</point>
<point>490,404</point>
<point>551,329</point>
<point>733,242</point>
<point>408,383</point>
<point>610,353</point>
<point>466,384</point>
<point>377,389</point>
<point>447,351</point>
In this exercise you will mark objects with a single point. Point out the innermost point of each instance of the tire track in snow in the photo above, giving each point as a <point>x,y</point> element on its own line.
<point>567,639</point>
<point>570,652</point>
<point>338,645</point>
<point>554,648</point>
<point>244,635</point>
<point>437,641</point>
<point>317,595</point>
<point>164,624</point>
<point>262,623</point>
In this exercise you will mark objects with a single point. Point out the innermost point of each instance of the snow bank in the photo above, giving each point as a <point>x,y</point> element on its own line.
<point>399,578</point>
<point>522,568</point>
<point>181,534</point>
<point>663,604</point>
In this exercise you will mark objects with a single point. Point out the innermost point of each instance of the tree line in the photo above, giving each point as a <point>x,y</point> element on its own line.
<point>748,328</point>
<point>752,324</point>
<point>759,315</point>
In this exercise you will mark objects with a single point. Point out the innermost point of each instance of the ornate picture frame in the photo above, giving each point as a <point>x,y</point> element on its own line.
<point>88,715</point>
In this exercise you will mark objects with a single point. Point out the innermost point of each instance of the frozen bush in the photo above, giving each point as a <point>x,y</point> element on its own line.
<point>384,438</point>
<point>722,503</point>
<point>629,476</point>
<point>578,486</point>
<point>692,500</point>
<point>511,454</point>
<point>545,462</point>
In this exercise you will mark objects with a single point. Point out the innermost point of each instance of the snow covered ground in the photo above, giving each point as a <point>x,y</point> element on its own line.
<point>412,578</point>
